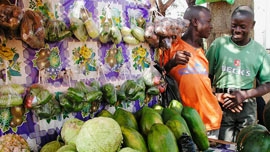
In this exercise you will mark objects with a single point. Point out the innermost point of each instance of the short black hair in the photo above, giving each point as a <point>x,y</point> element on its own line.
<point>244,10</point>
<point>193,11</point>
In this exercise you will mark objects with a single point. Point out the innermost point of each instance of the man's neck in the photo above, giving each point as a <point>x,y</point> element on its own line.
<point>192,40</point>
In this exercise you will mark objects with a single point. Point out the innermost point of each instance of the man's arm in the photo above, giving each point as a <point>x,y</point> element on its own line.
<point>238,97</point>
<point>180,57</point>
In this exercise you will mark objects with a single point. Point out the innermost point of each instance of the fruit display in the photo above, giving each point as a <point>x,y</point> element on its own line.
<point>145,131</point>
<point>85,80</point>
<point>196,127</point>
<point>13,143</point>
<point>255,137</point>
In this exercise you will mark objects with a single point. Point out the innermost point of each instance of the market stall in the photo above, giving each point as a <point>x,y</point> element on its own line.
<point>41,50</point>
<point>73,59</point>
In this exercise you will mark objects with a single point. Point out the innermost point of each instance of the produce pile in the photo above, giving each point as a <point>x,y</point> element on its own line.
<point>46,102</point>
<point>13,143</point>
<point>255,137</point>
<point>173,128</point>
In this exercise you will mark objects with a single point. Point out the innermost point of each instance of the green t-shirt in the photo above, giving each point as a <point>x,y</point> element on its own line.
<point>236,66</point>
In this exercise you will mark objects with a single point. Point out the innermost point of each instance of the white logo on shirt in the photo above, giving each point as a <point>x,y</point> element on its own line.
<point>237,71</point>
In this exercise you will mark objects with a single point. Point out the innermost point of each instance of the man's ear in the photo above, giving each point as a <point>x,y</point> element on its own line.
<point>253,24</point>
<point>194,21</point>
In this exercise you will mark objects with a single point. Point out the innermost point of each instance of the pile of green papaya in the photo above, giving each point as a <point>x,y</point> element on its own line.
<point>158,129</point>
<point>175,128</point>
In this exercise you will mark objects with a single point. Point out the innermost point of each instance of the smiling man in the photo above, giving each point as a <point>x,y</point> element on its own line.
<point>234,63</point>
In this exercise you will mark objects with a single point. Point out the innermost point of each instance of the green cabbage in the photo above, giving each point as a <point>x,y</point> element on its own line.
<point>100,134</point>
<point>70,130</point>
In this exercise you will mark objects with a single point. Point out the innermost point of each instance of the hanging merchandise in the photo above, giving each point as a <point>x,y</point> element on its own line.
<point>197,2</point>
<point>90,24</point>
<point>55,29</point>
<point>106,24</point>
<point>76,22</point>
<point>72,62</point>
<point>32,29</point>
<point>11,104</point>
<point>160,29</point>
<point>169,86</point>
<point>136,30</point>
<point>10,19</point>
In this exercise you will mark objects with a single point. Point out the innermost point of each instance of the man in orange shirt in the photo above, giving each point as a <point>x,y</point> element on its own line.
<point>187,64</point>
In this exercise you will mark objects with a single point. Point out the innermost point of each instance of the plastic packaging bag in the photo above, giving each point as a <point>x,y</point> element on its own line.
<point>90,25</point>
<point>55,29</point>
<point>171,87</point>
<point>77,24</point>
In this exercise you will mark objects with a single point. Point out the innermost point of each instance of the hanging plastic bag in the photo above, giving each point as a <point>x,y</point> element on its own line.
<point>90,25</point>
<point>32,30</point>
<point>10,16</point>
<point>116,36</point>
<point>55,29</point>
<point>77,24</point>
<point>136,31</point>
<point>170,85</point>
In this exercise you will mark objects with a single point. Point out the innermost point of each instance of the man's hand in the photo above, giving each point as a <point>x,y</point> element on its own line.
<point>181,57</point>
<point>234,101</point>
<point>226,101</point>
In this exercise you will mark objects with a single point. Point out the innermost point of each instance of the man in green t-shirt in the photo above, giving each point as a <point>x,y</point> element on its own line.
<point>234,63</point>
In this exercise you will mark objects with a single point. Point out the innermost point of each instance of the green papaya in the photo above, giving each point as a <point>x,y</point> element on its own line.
<point>133,139</point>
<point>161,139</point>
<point>52,146</point>
<point>182,122</point>
<point>247,129</point>
<point>176,105</point>
<point>105,113</point>
<point>196,127</point>
<point>255,140</point>
<point>125,118</point>
<point>168,113</point>
<point>149,117</point>
<point>177,128</point>
<point>158,108</point>
<point>67,148</point>
<point>128,149</point>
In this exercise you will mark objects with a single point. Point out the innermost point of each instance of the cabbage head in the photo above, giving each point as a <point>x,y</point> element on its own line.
<point>100,134</point>
<point>70,130</point>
